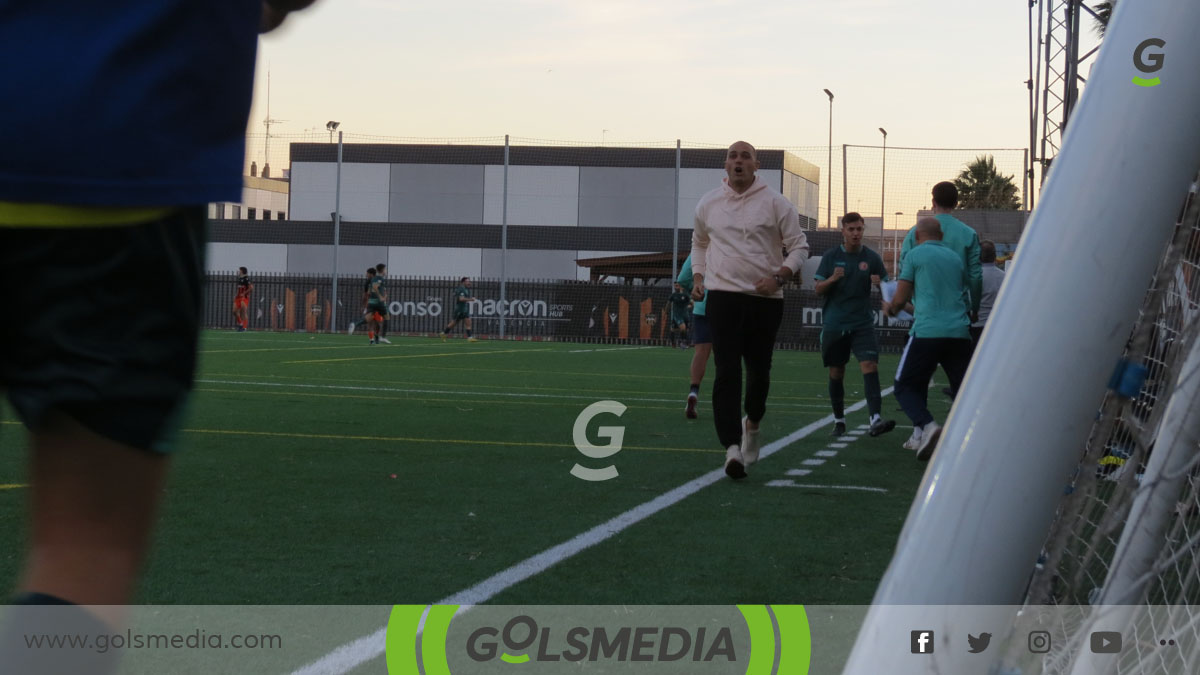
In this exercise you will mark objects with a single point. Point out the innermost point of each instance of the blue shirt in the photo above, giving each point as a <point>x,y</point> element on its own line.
<point>939,297</point>
<point>125,102</point>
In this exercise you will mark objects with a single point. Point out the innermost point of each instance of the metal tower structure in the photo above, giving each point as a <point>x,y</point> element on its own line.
<point>1054,78</point>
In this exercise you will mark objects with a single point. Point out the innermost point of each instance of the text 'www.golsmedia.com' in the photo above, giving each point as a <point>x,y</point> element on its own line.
<point>197,639</point>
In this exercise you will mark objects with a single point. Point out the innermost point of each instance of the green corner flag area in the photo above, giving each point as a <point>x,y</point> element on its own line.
<point>317,469</point>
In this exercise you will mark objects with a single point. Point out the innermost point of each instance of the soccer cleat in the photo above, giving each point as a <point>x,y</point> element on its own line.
<point>241,329</point>
<point>881,426</point>
<point>471,339</point>
<point>913,441</point>
<point>839,429</point>
<point>750,442</point>
<point>734,468</point>
<point>350,330</point>
<point>385,341</point>
<point>929,439</point>
<point>690,412</point>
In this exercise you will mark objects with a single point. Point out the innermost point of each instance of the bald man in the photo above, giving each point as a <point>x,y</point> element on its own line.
<point>742,229</point>
<point>935,279</point>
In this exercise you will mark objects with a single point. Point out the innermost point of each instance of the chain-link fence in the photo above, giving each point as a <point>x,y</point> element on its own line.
<point>560,310</point>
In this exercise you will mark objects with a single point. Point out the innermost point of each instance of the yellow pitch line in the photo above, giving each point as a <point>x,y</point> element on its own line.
<point>445,441</point>
<point>422,356</point>
<point>474,385</point>
<point>11,486</point>
<point>380,397</point>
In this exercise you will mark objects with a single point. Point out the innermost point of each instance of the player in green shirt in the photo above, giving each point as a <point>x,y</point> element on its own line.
<point>376,306</point>
<point>844,278</point>
<point>462,309</point>
<point>678,302</point>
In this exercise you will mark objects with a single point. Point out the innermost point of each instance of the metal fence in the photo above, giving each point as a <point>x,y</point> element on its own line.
<point>574,311</point>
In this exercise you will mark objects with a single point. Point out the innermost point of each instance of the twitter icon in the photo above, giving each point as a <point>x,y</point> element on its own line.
<point>978,644</point>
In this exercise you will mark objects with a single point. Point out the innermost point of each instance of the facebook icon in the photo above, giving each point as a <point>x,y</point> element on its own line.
<point>921,641</point>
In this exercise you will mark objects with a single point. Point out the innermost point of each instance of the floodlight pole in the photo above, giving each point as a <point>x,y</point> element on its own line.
<point>829,166</point>
<point>337,235</point>
<point>882,186</point>
<point>675,228</point>
<point>504,239</point>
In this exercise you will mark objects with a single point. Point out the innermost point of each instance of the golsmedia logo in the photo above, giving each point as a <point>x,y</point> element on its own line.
<point>615,436</point>
<point>447,639</point>
<point>595,643</point>
<point>1149,62</point>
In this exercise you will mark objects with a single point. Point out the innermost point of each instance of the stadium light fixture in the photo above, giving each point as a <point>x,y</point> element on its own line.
<point>332,126</point>
<point>829,166</point>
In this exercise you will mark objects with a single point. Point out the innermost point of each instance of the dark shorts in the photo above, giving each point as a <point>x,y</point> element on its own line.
<point>677,319</point>
<point>108,336</point>
<point>836,346</point>
<point>701,332</point>
<point>373,309</point>
<point>459,316</point>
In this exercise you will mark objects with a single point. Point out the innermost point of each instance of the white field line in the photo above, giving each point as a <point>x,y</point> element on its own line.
<point>608,349</point>
<point>397,390</point>
<point>792,483</point>
<point>353,654</point>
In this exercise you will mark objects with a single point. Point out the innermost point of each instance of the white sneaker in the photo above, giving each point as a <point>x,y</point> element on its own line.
<point>350,331</point>
<point>913,441</point>
<point>929,439</point>
<point>385,341</point>
<point>750,442</point>
<point>734,467</point>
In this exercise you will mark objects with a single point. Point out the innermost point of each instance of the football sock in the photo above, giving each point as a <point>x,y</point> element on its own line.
<point>468,332</point>
<point>874,400</point>
<point>370,335</point>
<point>695,389</point>
<point>875,418</point>
<point>837,396</point>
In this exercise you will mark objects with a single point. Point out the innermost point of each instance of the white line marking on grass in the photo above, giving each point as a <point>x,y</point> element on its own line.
<point>868,426</point>
<point>792,483</point>
<point>351,655</point>
<point>827,453</point>
<point>797,472</point>
<point>813,462</point>
<point>846,439</point>
<point>607,349</point>
<point>836,445</point>
<point>396,390</point>
<point>856,432</point>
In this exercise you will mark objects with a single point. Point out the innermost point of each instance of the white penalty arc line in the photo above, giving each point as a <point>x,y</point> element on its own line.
<point>509,394</point>
<point>353,654</point>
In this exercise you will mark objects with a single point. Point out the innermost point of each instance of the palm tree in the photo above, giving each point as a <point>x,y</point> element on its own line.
<point>982,186</point>
<point>1104,11</point>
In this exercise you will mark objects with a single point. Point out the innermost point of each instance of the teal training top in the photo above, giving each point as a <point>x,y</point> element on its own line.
<point>960,238</point>
<point>938,278</point>
<point>685,280</point>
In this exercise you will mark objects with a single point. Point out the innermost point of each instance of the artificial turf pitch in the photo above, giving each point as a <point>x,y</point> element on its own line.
<point>316,469</point>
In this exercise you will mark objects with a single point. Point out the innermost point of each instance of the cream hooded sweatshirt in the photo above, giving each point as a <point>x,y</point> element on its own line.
<point>740,238</point>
